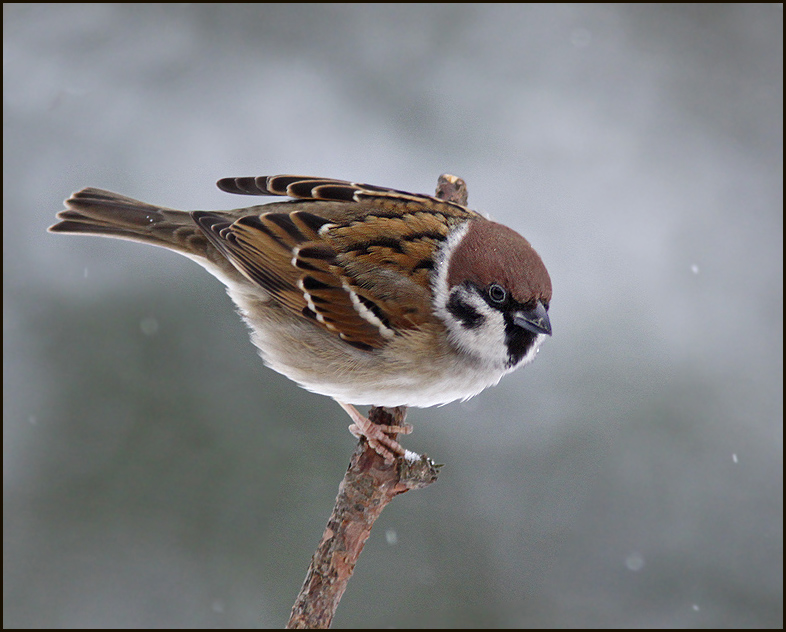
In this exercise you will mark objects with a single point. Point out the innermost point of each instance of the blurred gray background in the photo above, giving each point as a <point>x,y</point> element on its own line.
<point>155,473</point>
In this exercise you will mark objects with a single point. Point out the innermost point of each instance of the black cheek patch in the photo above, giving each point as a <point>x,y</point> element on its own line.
<point>469,317</point>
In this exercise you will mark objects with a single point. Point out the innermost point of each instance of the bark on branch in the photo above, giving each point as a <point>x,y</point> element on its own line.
<point>369,485</point>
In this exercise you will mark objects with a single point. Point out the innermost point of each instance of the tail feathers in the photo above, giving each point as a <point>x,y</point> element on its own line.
<point>93,210</point>
<point>98,212</point>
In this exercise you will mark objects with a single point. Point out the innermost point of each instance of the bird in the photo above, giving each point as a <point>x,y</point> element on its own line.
<point>366,294</point>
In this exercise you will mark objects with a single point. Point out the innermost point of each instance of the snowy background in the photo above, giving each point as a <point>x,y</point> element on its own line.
<point>155,473</point>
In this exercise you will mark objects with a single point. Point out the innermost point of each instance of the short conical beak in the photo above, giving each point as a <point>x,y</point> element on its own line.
<point>535,320</point>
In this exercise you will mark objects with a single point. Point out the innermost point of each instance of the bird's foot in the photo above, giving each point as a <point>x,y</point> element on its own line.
<point>378,435</point>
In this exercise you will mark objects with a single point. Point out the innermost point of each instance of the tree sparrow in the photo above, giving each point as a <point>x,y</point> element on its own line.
<point>366,294</point>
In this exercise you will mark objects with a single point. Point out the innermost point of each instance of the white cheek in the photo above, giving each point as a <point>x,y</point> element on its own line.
<point>486,341</point>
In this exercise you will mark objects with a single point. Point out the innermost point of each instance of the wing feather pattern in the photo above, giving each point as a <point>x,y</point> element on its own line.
<point>358,261</point>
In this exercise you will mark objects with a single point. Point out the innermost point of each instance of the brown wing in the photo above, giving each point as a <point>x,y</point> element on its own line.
<point>358,261</point>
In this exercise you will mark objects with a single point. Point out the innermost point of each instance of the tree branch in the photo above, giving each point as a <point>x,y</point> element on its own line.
<point>369,484</point>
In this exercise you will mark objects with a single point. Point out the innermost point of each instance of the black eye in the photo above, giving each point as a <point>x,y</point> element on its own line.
<point>497,293</point>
